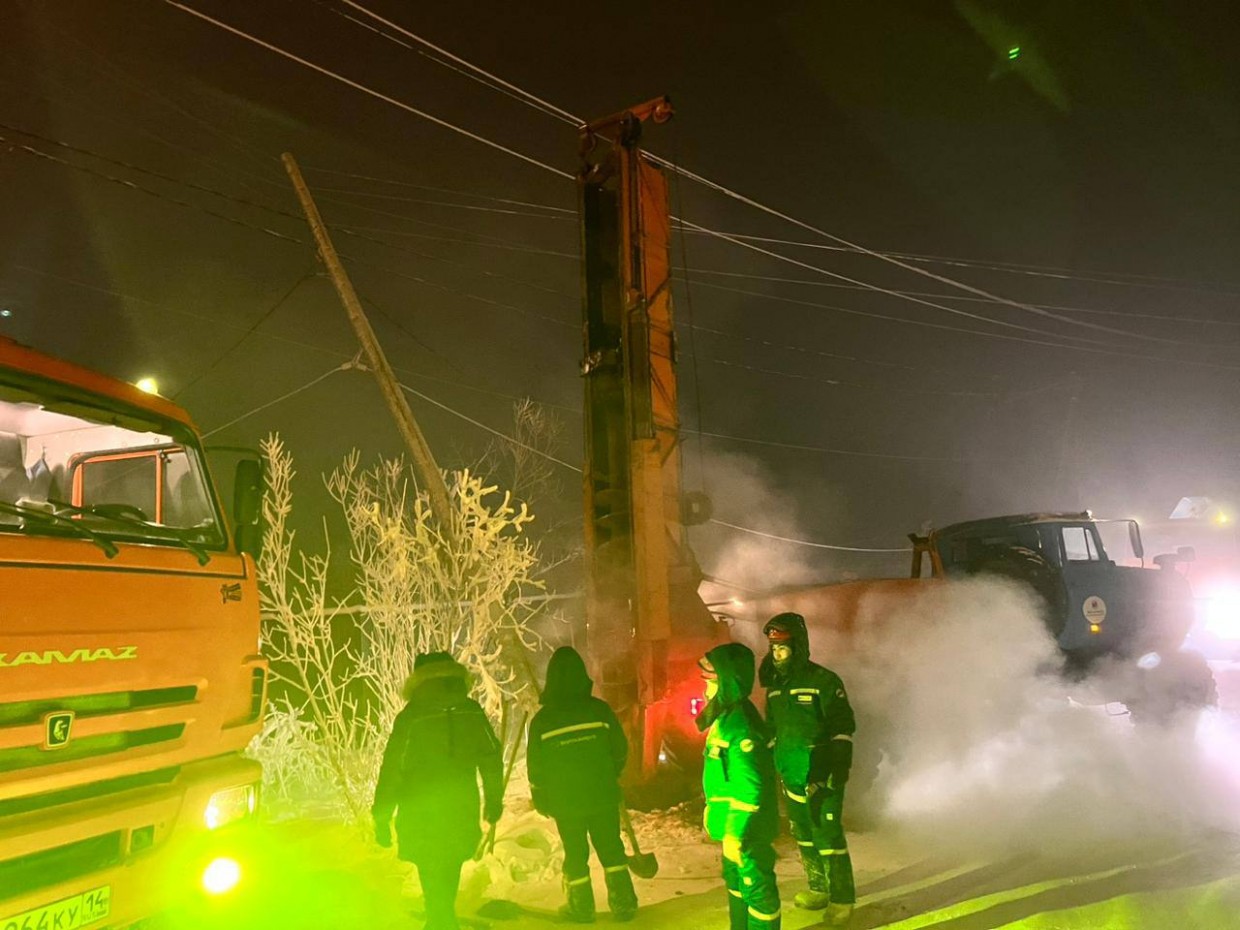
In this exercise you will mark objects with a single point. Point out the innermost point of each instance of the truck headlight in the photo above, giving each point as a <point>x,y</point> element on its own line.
<point>230,805</point>
<point>1223,614</point>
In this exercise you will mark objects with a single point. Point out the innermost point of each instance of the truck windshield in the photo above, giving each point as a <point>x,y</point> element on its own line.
<point>69,468</point>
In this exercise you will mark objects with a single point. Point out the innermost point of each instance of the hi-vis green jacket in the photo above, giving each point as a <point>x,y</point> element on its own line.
<point>739,775</point>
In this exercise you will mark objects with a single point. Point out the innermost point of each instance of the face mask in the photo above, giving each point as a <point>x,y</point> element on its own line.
<point>782,656</point>
<point>712,688</point>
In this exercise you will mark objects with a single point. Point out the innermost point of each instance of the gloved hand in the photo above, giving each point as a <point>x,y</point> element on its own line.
<point>383,832</point>
<point>822,798</point>
<point>732,848</point>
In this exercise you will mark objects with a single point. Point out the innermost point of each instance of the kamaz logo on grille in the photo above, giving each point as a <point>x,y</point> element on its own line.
<point>56,657</point>
<point>57,727</point>
<point>230,592</point>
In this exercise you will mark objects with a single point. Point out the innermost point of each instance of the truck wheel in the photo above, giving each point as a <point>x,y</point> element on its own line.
<point>1181,684</point>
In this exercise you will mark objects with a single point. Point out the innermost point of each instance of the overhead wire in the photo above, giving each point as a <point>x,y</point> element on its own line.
<point>279,400</point>
<point>1133,314</point>
<point>805,542</point>
<point>378,95</point>
<point>236,344</point>
<point>123,182</point>
<point>549,108</point>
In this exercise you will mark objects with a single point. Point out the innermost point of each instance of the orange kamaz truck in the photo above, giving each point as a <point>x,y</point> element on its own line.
<point>130,679</point>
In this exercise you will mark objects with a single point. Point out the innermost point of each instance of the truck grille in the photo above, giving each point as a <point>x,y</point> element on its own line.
<point>88,747</point>
<point>62,864</point>
<point>19,713</point>
<point>97,789</point>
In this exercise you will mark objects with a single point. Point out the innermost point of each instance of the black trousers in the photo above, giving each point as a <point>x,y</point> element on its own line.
<point>441,880</point>
<point>602,828</point>
<point>824,849</point>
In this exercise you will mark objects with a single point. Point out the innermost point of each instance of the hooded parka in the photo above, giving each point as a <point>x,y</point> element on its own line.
<point>808,708</point>
<point>738,778</point>
<point>441,743</point>
<point>577,748</point>
<point>576,752</point>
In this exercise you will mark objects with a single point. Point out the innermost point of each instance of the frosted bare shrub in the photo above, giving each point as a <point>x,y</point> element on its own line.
<point>418,587</point>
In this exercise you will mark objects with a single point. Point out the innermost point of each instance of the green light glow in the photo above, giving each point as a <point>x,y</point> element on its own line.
<point>221,876</point>
<point>1013,53</point>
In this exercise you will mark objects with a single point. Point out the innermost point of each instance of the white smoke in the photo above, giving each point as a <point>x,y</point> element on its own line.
<point>986,747</point>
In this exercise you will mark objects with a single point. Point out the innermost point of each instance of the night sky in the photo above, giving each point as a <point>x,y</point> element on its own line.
<point>1100,159</point>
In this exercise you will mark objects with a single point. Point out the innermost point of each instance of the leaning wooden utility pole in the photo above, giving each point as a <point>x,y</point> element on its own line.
<point>419,450</point>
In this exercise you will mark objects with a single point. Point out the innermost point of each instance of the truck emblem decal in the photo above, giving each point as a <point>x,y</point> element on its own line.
<point>56,657</point>
<point>1094,609</point>
<point>57,727</point>
<point>230,592</point>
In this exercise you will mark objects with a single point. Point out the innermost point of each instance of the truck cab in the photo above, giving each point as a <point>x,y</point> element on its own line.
<point>130,675</point>
<point>1097,597</point>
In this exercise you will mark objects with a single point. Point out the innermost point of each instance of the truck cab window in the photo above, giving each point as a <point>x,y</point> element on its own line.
<point>1079,545</point>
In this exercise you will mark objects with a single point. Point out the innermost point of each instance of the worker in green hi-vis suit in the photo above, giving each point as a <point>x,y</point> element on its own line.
<point>742,804</point>
<point>813,721</point>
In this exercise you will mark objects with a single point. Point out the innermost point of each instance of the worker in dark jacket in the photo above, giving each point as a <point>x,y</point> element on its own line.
<point>742,806</point>
<point>808,708</point>
<point>441,742</point>
<point>577,751</point>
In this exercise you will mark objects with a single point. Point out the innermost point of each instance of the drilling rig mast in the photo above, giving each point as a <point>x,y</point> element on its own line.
<point>647,624</point>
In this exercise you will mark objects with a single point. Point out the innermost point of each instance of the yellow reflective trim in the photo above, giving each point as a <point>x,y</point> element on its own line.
<point>579,881</point>
<point>805,691</point>
<point>754,912</point>
<point>596,725</point>
<point>714,741</point>
<point>718,800</point>
<point>833,852</point>
<point>796,797</point>
<point>843,736</point>
<point>742,806</point>
<point>616,868</point>
<point>774,693</point>
<point>805,842</point>
<point>734,893</point>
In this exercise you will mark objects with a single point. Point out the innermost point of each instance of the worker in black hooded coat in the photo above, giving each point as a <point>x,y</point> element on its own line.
<point>441,743</point>
<point>576,753</point>
<point>808,709</point>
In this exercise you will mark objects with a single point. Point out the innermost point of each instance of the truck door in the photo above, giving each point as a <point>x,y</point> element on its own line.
<point>1095,615</point>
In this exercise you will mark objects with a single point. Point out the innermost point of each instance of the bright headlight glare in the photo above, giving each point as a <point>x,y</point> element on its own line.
<point>221,876</point>
<point>230,805</point>
<point>1223,614</point>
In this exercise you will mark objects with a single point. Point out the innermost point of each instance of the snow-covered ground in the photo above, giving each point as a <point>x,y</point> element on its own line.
<point>1009,806</point>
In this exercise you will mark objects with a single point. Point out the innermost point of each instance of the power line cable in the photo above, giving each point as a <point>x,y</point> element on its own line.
<point>494,432</point>
<point>283,397</point>
<point>549,108</point>
<point>806,282</point>
<point>123,182</point>
<point>1118,279</point>
<point>438,190</point>
<point>245,335</point>
<point>1118,353</point>
<point>518,93</point>
<point>399,104</point>
<point>804,542</point>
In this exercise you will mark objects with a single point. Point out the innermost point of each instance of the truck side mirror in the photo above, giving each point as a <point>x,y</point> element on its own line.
<point>1186,554</point>
<point>248,488</point>
<point>1134,537</point>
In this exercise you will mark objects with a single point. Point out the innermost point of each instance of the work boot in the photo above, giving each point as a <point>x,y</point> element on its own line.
<point>838,915</point>
<point>621,898</point>
<point>812,900</point>
<point>580,894</point>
